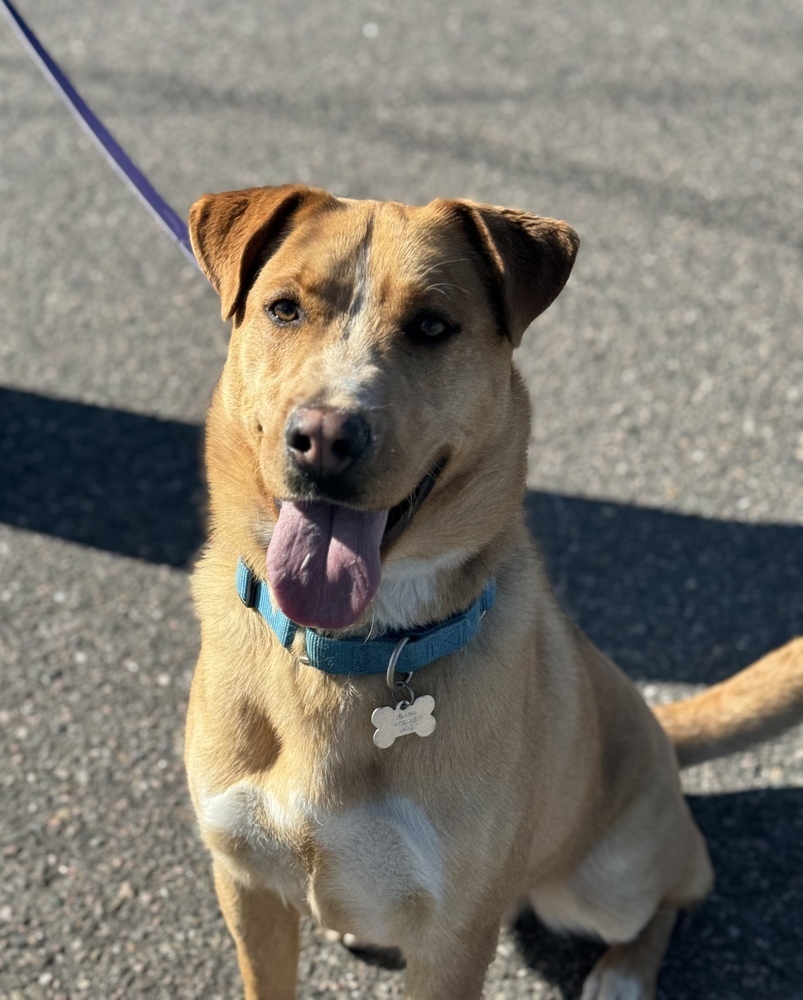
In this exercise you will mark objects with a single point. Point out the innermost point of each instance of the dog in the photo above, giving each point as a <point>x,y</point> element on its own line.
<point>393,727</point>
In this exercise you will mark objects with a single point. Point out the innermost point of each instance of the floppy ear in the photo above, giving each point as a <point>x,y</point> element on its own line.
<point>234,232</point>
<point>530,259</point>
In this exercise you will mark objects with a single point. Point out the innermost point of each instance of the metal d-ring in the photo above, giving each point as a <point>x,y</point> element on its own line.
<point>399,687</point>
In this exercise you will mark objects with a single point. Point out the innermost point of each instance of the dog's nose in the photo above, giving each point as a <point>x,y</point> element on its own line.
<point>324,441</point>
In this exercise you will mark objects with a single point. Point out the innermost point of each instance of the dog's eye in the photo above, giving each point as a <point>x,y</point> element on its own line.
<point>285,311</point>
<point>429,328</point>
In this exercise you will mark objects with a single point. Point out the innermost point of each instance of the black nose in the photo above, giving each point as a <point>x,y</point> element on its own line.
<point>325,442</point>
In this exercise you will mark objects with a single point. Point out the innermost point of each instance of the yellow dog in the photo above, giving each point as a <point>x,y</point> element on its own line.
<point>393,726</point>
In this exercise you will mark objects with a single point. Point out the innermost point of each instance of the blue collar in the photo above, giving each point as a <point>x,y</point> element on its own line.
<point>357,655</point>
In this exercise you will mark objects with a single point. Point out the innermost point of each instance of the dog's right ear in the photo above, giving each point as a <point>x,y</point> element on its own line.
<point>233,233</point>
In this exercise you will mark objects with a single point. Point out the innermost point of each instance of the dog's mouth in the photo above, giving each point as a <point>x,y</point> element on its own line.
<point>324,560</point>
<point>403,513</point>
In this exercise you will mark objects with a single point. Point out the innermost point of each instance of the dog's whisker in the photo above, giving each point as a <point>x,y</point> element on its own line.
<point>439,286</point>
<point>442,263</point>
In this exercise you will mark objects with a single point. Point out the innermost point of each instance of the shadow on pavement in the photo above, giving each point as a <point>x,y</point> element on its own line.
<point>745,939</point>
<point>668,596</point>
<point>113,480</point>
<point>671,597</point>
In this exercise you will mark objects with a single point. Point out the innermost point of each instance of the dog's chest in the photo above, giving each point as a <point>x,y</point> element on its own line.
<point>369,869</point>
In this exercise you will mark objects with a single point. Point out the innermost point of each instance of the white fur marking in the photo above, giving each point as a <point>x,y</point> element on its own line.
<point>613,984</point>
<point>407,587</point>
<point>612,894</point>
<point>348,374</point>
<point>267,828</point>
<point>382,854</point>
<point>347,366</point>
<point>244,807</point>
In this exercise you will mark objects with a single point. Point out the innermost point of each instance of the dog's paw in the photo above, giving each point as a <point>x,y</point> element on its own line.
<point>609,982</point>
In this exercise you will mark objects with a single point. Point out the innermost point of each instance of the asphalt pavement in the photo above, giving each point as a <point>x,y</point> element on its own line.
<point>666,469</point>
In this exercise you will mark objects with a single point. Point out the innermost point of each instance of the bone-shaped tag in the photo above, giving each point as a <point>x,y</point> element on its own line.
<point>403,719</point>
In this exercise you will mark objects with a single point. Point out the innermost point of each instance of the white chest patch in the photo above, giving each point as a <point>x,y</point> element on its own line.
<point>408,586</point>
<point>382,871</point>
<point>372,862</point>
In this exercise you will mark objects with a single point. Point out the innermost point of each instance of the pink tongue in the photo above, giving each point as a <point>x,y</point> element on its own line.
<point>323,562</point>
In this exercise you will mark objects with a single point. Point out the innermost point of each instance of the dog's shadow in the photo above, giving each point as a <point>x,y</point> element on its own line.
<point>746,940</point>
<point>123,482</point>
<point>671,597</point>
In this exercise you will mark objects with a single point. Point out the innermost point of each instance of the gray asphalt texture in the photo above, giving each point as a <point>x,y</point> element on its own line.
<point>666,474</point>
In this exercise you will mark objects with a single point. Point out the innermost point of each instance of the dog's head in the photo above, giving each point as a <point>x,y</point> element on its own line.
<point>369,376</point>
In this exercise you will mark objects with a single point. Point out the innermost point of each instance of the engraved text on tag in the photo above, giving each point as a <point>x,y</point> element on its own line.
<point>405,718</point>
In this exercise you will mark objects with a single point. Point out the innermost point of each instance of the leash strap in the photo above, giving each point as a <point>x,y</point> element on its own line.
<point>94,127</point>
<point>355,655</point>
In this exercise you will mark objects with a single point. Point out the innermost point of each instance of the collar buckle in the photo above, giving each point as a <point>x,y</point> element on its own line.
<point>247,584</point>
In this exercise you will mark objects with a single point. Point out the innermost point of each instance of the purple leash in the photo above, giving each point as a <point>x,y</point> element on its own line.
<point>88,120</point>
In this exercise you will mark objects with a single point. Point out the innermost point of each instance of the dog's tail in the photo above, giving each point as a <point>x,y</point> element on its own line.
<point>756,704</point>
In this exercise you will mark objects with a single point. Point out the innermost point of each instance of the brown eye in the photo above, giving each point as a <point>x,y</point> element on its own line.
<point>429,328</point>
<point>285,311</point>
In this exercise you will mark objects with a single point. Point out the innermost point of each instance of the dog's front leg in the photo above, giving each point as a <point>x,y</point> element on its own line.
<point>630,970</point>
<point>266,932</point>
<point>457,972</point>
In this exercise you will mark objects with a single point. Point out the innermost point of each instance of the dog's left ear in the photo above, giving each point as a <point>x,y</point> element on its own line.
<point>233,233</point>
<point>530,259</point>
